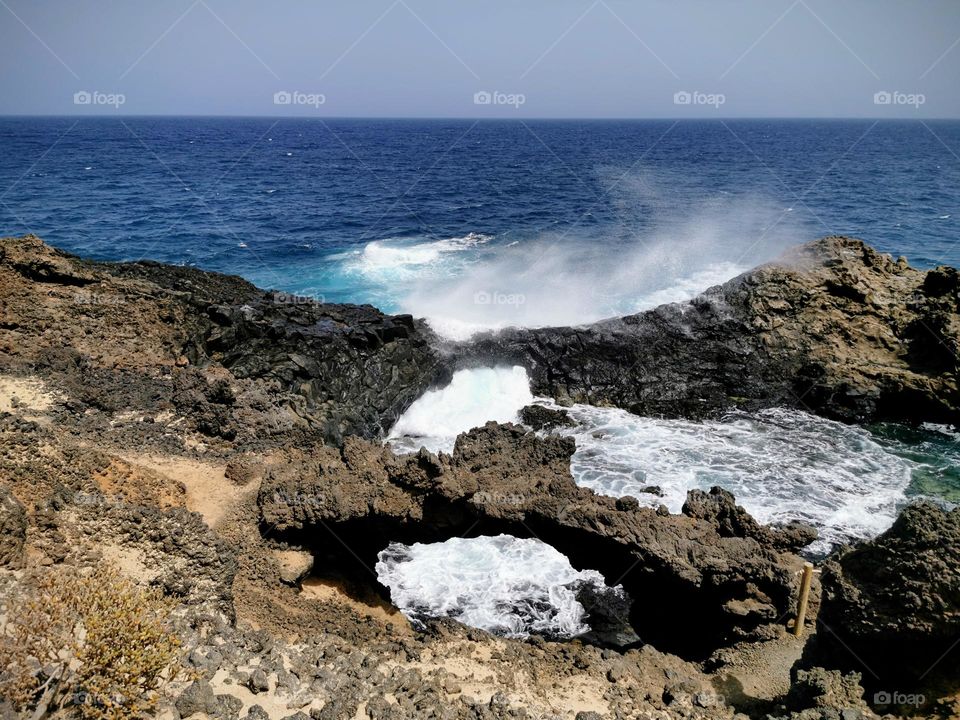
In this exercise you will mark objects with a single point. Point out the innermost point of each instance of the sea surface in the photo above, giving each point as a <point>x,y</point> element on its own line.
<point>478,225</point>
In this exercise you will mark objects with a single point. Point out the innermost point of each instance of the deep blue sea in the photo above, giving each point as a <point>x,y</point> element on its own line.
<point>486,224</point>
<point>370,210</point>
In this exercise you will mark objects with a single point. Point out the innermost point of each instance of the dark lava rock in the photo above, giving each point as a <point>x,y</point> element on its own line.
<point>258,681</point>
<point>505,479</point>
<point>539,417</point>
<point>198,697</point>
<point>295,364</point>
<point>228,707</point>
<point>891,606</point>
<point>719,508</point>
<point>833,326</point>
<point>608,615</point>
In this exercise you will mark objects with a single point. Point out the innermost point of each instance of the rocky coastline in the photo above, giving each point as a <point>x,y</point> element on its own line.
<point>222,444</point>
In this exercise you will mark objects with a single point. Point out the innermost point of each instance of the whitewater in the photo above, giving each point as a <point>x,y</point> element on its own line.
<point>781,464</point>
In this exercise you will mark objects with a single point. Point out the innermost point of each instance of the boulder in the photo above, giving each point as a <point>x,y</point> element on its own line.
<point>891,606</point>
<point>540,417</point>
<point>198,697</point>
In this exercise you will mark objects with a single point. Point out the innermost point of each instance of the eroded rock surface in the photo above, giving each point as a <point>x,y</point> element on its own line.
<point>234,359</point>
<point>834,327</point>
<point>733,577</point>
<point>891,607</point>
<point>119,381</point>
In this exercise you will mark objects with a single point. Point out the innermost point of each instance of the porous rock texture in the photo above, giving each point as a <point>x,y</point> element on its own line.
<point>713,562</point>
<point>833,327</point>
<point>198,433</point>
<point>891,607</point>
<point>233,358</point>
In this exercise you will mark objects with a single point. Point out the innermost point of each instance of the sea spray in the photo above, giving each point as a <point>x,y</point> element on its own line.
<point>472,398</point>
<point>574,277</point>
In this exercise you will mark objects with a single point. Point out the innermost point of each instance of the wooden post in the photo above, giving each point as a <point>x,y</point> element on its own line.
<point>804,597</point>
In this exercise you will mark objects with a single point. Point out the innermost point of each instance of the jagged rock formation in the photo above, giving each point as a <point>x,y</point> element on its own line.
<point>159,337</point>
<point>116,366</point>
<point>716,565</point>
<point>834,327</point>
<point>891,607</point>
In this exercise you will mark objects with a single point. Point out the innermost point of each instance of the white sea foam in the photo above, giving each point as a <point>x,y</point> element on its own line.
<point>472,398</point>
<point>505,585</point>
<point>414,258</point>
<point>780,464</point>
<point>541,284</point>
<point>573,279</point>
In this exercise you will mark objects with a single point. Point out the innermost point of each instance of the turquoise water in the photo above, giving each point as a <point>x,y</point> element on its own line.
<point>935,450</point>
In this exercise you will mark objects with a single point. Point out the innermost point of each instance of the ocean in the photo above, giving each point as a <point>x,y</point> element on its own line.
<point>478,225</point>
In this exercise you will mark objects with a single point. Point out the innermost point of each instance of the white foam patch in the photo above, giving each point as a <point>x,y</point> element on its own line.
<point>406,258</point>
<point>780,464</point>
<point>504,585</point>
<point>686,288</point>
<point>472,398</point>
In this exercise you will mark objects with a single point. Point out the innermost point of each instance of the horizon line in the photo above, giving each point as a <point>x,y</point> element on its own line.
<point>468,118</point>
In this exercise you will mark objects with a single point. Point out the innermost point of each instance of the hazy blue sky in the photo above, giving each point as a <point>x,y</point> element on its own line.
<point>561,58</point>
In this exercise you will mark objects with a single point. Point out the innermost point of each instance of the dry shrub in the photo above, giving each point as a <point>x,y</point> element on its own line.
<point>92,640</point>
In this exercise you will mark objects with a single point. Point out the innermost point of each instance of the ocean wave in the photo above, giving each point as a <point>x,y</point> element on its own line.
<point>471,399</point>
<point>381,257</point>
<point>780,464</point>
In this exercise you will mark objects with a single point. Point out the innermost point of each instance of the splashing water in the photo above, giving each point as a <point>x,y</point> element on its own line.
<point>505,585</point>
<point>472,398</point>
<point>780,464</point>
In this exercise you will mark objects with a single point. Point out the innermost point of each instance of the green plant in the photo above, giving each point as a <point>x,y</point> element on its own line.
<point>92,640</point>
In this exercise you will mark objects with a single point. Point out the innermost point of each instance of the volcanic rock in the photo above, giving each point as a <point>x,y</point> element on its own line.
<point>891,606</point>
<point>833,327</point>
<point>504,479</point>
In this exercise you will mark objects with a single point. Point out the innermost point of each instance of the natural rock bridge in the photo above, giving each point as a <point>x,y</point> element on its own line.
<point>698,579</point>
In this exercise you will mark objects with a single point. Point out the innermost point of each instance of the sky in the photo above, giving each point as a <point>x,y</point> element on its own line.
<point>482,58</point>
